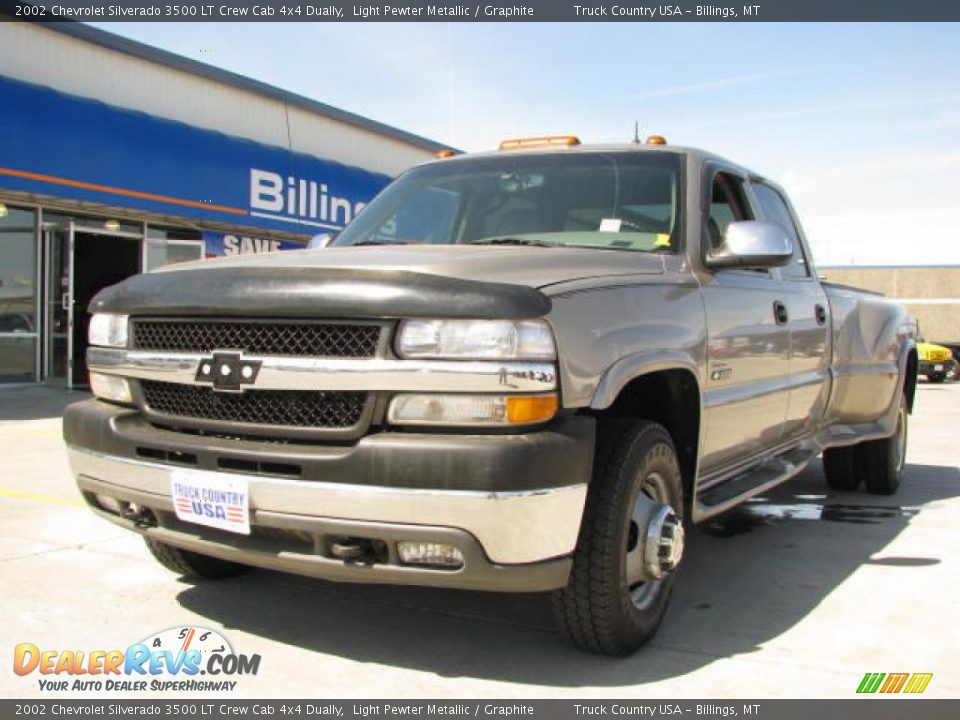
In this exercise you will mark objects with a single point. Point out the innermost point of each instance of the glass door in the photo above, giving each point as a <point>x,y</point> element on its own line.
<point>58,336</point>
<point>159,252</point>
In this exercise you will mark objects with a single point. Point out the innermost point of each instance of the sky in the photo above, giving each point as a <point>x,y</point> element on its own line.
<point>859,122</point>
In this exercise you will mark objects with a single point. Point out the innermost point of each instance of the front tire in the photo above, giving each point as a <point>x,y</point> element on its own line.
<point>936,377</point>
<point>632,523</point>
<point>882,461</point>
<point>191,564</point>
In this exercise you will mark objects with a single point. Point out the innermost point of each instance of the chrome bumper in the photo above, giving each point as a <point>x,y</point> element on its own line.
<point>511,528</point>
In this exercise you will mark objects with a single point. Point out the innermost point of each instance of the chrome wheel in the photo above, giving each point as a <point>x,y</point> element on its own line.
<point>630,540</point>
<point>654,542</point>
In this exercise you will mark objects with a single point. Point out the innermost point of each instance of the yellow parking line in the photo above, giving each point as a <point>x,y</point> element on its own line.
<point>40,498</point>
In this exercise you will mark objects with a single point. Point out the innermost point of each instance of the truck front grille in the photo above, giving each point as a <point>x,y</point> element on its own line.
<point>323,339</point>
<point>269,408</point>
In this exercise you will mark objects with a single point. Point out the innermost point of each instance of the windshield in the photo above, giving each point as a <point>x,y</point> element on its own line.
<point>623,201</point>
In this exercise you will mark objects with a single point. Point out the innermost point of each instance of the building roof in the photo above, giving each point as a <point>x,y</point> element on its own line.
<point>168,59</point>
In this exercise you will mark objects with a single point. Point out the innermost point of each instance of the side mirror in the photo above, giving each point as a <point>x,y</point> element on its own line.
<point>318,242</point>
<point>752,244</point>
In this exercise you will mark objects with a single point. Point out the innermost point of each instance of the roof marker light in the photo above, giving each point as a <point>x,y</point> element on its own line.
<point>550,140</point>
<point>656,140</point>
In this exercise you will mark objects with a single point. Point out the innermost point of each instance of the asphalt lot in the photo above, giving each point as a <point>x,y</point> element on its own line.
<point>797,595</point>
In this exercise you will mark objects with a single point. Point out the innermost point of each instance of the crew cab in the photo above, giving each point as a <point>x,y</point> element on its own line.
<point>522,371</point>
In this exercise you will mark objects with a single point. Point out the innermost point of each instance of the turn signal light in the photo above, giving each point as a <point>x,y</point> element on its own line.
<point>550,140</point>
<point>523,409</point>
<point>110,387</point>
<point>471,409</point>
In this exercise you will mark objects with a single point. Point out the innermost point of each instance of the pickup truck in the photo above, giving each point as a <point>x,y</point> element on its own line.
<point>522,371</point>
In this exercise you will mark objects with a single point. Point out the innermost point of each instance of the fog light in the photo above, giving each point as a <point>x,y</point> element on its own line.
<point>434,554</point>
<point>110,387</point>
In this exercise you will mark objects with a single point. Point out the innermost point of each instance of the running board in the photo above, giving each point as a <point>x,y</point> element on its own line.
<point>752,481</point>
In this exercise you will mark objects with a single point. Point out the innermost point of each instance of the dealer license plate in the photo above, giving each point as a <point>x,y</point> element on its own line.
<point>217,500</point>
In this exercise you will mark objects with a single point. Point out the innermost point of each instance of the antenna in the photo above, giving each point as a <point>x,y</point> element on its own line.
<point>636,132</point>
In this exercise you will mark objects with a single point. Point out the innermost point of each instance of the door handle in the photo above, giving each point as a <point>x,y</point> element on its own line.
<point>821,314</point>
<point>65,302</point>
<point>780,313</point>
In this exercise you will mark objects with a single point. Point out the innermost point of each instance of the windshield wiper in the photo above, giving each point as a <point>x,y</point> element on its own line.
<point>510,241</point>
<point>378,242</point>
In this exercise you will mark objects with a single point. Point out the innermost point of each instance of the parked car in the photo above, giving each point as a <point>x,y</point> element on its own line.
<point>518,371</point>
<point>936,362</point>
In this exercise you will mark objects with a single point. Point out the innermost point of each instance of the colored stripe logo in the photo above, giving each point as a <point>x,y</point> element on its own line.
<point>894,683</point>
<point>119,191</point>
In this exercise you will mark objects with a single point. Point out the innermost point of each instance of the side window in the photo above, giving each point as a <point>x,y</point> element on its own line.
<point>775,210</point>
<point>728,204</point>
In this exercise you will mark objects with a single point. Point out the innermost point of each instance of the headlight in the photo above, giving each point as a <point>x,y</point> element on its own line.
<point>471,410</point>
<point>108,330</point>
<point>476,339</point>
<point>110,387</point>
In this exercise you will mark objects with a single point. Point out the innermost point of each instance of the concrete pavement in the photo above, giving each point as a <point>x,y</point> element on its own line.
<point>795,595</point>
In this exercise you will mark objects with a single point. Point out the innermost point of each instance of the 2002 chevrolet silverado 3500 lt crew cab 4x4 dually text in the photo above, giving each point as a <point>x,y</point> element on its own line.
<point>515,371</point>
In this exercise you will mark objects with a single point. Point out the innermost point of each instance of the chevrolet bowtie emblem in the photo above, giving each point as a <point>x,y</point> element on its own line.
<point>228,371</point>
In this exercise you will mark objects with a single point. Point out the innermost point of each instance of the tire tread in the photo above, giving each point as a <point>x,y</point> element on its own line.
<point>584,610</point>
<point>191,564</point>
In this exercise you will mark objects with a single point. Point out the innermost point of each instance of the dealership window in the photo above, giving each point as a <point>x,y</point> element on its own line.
<point>165,246</point>
<point>93,224</point>
<point>18,295</point>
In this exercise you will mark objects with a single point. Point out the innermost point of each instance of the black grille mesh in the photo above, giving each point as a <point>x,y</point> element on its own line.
<point>289,408</point>
<point>303,339</point>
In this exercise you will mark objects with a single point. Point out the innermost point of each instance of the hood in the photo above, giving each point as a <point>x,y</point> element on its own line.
<point>535,267</point>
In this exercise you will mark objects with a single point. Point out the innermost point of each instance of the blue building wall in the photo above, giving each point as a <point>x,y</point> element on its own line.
<point>80,149</point>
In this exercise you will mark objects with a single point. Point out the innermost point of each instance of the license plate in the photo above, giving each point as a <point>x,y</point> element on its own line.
<point>217,500</point>
<point>938,368</point>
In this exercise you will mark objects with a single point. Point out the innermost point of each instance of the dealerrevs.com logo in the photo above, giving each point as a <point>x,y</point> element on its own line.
<point>177,659</point>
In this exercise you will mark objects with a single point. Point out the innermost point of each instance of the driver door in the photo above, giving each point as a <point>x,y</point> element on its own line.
<point>748,340</point>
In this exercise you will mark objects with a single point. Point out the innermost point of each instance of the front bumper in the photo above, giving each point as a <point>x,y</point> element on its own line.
<point>512,504</point>
<point>926,367</point>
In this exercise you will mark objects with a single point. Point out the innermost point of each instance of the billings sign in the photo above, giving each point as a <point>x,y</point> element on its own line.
<point>77,149</point>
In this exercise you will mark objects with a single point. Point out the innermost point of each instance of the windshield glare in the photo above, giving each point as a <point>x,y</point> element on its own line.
<point>621,201</point>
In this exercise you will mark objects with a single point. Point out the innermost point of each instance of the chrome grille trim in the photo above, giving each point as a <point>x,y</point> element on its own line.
<point>374,374</point>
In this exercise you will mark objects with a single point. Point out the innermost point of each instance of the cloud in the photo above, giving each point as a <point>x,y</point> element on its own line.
<point>707,86</point>
<point>896,207</point>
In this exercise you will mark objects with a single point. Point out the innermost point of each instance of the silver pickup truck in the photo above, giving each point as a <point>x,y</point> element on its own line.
<point>519,371</point>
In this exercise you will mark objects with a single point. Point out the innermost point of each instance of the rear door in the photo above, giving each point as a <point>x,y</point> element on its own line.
<point>748,341</point>
<point>809,322</point>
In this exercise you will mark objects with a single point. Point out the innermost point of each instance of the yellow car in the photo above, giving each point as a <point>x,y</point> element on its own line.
<point>936,361</point>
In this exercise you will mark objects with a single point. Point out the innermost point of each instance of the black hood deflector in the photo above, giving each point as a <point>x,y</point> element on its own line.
<point>316,292</point>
